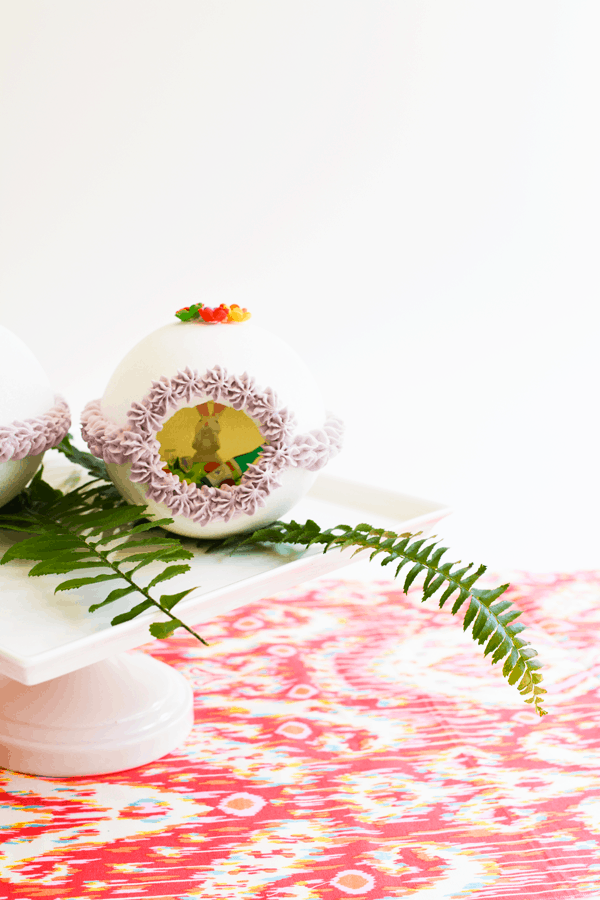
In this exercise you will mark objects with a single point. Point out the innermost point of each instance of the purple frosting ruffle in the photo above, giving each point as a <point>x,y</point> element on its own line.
<point>137,443</point>
<point>32,436</point>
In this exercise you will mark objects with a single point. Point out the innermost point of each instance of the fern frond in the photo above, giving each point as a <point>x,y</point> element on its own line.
<point>83,530</point>
<point>92,527</point>
<point>493,621</point>
<point>94,466</point>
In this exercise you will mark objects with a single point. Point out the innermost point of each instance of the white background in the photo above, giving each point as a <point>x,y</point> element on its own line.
<point>407,192</point>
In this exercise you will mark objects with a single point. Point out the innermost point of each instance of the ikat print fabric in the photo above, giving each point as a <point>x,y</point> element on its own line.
<point>349,742</point>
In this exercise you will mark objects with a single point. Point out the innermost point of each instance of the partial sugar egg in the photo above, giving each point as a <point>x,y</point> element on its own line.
<point>32,417</point>
<point>214,422</point>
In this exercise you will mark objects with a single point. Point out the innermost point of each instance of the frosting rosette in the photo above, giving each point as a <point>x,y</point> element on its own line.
<point>31,437</point>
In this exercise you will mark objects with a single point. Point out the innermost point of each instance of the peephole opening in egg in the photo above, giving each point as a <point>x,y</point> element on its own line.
<point>210,444</point>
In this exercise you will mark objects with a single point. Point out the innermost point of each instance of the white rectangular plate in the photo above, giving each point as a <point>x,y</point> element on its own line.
<point>44,635</point>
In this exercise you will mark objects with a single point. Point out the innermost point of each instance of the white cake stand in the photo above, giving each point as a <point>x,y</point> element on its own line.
<point>74,699</point>
<point>121,712</point>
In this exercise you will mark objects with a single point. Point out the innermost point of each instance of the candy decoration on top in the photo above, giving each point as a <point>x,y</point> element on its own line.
<point>221,429</point>
<point>204,315</point>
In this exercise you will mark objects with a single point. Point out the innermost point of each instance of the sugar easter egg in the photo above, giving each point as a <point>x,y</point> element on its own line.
<point>32,417</point>
<point>213,422</point>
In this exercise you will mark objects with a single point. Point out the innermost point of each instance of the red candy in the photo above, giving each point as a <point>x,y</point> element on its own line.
<point>213,315</point>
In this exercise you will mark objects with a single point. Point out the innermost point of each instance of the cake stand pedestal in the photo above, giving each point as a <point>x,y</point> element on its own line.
<point>75,700</point>
<point>124,711</point>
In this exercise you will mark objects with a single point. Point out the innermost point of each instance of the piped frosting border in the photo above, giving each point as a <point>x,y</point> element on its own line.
<point>30,437</point>
<point>137,443</point>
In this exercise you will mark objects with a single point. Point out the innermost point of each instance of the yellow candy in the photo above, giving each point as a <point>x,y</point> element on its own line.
<point>236,314</point>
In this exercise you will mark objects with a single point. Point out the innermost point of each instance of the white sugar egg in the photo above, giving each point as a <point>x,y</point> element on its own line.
<point>25,393</point>
<point>220,427</point>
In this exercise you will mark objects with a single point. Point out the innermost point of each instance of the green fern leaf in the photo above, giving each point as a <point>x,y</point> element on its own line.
<point>95,467</point>
<point>23,529</point>
<point>503,648</point>
<point>485,626</point>
<point>164,630</point>
<point>38,548</point>
<point>147,561</point>
<point>114,595</point>
<point>108,519</point>
<point>146,526</point>
<point>51,567</point>
<point>145,541</point>
<point>161,556</point>
<point>416,570</point>
<point>169,555</point>
<point>74,583</point>
<point>435,582</point>
<point>149,557</point>
<point>168,601</point>
<point>507,618</point>
<point>171,572</point>
<point>401,564</point>
<point>494,642</point>
<point>499,607</point>
<point>40,493</point>
<point>132,613</point>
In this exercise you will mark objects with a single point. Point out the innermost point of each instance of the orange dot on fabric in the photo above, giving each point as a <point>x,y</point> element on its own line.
<point>352,881</point>
<point>239,803</point>
<point>293,729</point>
<point>242,804</point>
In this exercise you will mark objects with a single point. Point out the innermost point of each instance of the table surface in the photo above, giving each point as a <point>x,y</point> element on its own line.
<point>349,741</point>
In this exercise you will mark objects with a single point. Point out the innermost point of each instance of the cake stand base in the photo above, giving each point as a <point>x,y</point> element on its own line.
<point>125,711</point>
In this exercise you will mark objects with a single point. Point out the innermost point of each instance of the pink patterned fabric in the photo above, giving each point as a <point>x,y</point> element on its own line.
<point>349,742</point>
<point>138,445</point>
<point>32,436</point>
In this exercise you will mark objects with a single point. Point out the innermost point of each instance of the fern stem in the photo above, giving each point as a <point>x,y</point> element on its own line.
<point>144,592</point>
